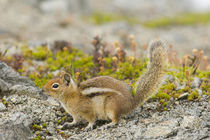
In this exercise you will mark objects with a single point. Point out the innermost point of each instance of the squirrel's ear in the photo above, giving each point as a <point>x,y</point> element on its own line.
<point>68,80</point>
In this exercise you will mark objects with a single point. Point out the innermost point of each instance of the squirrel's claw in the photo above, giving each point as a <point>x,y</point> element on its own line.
<point>68,125</point>
<point>89,127</point>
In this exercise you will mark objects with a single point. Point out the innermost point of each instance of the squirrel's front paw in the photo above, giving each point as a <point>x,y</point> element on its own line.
<point>89,127</point>
<point>68,125</point>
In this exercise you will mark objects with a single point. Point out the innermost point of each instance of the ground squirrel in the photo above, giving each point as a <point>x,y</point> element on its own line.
<point>107,98</point>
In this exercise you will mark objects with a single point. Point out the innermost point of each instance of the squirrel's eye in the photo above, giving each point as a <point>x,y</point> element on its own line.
<point>55,85</point>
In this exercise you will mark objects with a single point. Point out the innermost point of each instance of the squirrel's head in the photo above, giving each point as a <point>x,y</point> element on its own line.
<point>58,86</point>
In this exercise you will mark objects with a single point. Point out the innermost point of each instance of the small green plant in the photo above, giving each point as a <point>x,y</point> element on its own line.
<point>40,53</point>
<point>193,95</point>
<point>58,121</point>
<point>44,125</point>
<point>37,127</point>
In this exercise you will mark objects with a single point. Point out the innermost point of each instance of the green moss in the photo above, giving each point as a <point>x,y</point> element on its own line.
<point>165,104</point>
<point>63,118</point>
<point>179,20</point>
<point>40,53</point>
<point>193,95</point>
<point>44,125</point>
<point>58,121</point>
<point>62,133</point>
<point>99,18</point>
<point>162,95</point>
<point>37,138</point>
<point>37,133</point>
<point>37,127</point>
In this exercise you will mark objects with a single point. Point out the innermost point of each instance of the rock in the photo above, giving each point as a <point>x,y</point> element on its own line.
<point>11,131</point>
<point>2,107</point>
<point>20,118</point>
<point>196,82</point>
<point>182,86</point>
<point>183,96</point>
<point>3,86</point>
<point>50,138</point>
<point>16,126</point>
<point>199,91</point>
<point>157,131</point>
<point>190,122</point>
<point>15,99</point>
<point>12,83</point>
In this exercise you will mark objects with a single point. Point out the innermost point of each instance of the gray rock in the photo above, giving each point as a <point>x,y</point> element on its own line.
<point>16,126</point>
<point>3,86</point>
<point>10,131</point>
<point>2,107</point>
<point>50,138</point>
<point>190,122</point>
<point>12,83</point>
<point>182,86</point>
<point>196,82</point>
<point>157,131</point>
<point>20,118</point>
<point>15,99</point>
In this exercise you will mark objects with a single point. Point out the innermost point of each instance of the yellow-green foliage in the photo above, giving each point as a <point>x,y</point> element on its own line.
<point>37,127</point>
<point>40,53</point>
<point>193,95</point>
<point>179,20</point>
<point>102,18</point>
<point>129,71</point>
<point>44,125</point>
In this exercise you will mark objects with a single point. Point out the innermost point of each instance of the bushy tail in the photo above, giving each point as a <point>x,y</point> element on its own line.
<point>150,81</point>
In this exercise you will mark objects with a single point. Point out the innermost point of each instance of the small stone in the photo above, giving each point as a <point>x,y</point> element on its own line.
<point>190,122</point>
<point>50,138</point>
<point>20,118</point>
<point>2,107</point>
<point>182,86</point>
<point>199,91</point>
<point>196,82</point>
<point>157,131</point>
<point>183,96</point>
<point>176,102</point>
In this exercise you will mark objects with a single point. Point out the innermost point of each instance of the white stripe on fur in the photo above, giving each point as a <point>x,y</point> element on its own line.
<point>89,91</point>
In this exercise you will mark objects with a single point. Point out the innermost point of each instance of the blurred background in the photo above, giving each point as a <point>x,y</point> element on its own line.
<point>183,23</point>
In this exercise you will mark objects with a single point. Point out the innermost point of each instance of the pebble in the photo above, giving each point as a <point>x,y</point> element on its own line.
<point>2,107</point>
<point>196,82</point>
<point>183,96</point>
<point>157,131</point>
<point>190,122</point>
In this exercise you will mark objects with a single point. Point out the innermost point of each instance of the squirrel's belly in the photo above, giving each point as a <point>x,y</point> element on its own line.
<point>99,107</point>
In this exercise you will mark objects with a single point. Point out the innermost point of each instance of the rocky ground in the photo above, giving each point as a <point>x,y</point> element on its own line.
<point>24,114</point>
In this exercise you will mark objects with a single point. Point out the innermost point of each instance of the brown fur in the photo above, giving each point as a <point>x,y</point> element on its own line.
<point>109,105</point>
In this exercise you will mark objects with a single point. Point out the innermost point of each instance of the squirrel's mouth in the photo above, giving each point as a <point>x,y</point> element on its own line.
<point>43,95</point>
